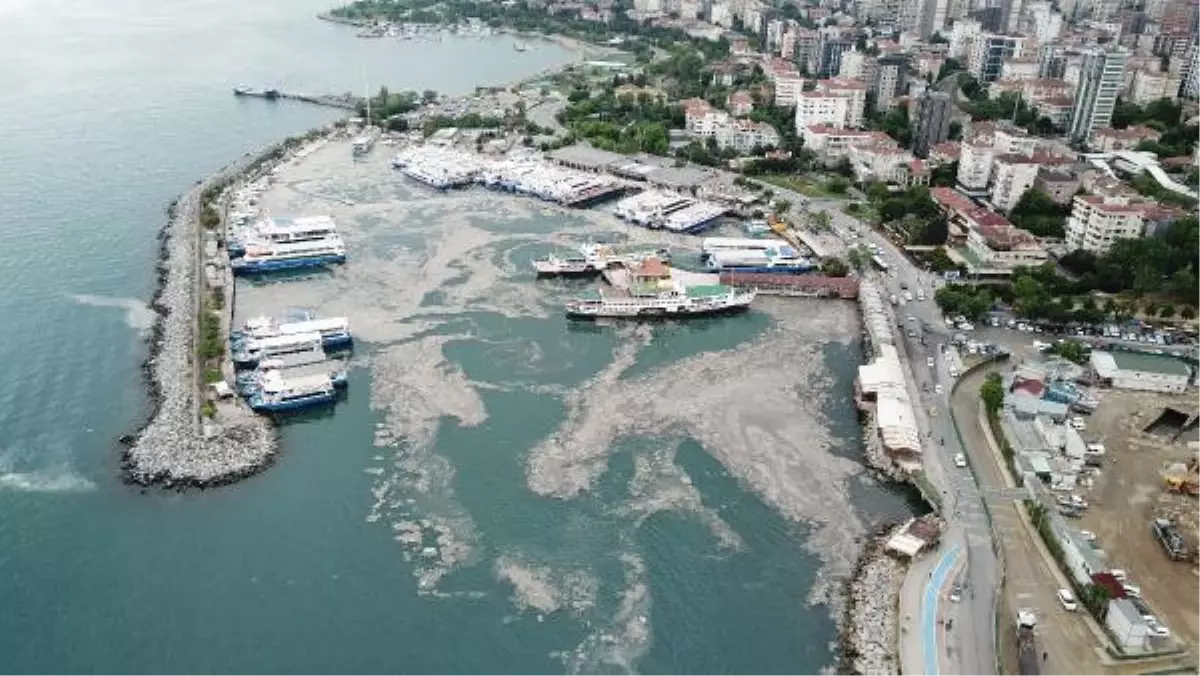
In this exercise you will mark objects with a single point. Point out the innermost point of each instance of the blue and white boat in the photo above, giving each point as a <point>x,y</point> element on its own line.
<point>335,331</point>
<point>281,230</point>
<point>248,383</point>
<point>277,393</point>
<point>264,257</point>
<point>777,260</point>
<point>298,347</point>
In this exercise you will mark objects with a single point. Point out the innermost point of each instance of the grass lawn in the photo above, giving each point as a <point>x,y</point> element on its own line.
<point>800,185</point>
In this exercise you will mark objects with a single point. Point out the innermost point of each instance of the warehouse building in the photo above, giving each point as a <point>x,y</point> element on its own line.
<point>1138,371</point>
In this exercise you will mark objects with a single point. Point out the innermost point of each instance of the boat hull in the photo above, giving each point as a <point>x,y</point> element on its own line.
<point>765,269</point>
<point>652,313</point>
<point>261,405</point>
<point>243,267</point>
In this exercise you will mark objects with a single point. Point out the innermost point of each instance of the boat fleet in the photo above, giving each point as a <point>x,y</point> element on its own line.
<point>285,365</point>
<point>282,243</point>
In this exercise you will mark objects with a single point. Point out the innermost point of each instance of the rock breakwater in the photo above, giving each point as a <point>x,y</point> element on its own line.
<point>175,448</point>
<point>869,628</point>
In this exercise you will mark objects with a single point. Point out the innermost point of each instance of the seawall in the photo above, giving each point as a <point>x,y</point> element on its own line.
<point>869,624</point>
<point>176,448</point>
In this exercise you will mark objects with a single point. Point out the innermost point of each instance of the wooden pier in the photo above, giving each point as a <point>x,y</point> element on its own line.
<point>344,101</point>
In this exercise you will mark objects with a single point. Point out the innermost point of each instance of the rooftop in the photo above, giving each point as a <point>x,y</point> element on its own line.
<point>1147,363</point>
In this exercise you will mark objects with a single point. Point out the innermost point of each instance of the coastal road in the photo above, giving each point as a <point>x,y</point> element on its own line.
<point>965,641</point>
<point>1030,581</point>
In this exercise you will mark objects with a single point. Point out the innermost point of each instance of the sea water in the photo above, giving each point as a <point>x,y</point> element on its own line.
<point>665,561</point>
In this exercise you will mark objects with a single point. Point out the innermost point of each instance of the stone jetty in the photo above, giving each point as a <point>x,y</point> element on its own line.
<point>175,449</point>
<point>870,625</point>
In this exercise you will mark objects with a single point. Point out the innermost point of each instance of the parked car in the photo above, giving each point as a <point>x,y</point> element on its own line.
<point>960,460</point>
<point>1119,574</point>
<point>1132,590</point>
<point>937,388</point>
<point>956,593</point>
<point>929,362</point>
<point>1077,424</point>
<point>1067,599</point>
<point>1087,536</point>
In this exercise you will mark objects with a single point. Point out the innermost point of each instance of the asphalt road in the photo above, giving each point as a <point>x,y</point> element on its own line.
<point>968,642</point>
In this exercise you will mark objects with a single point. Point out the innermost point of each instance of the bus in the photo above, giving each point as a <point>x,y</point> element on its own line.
<point>879,263</point>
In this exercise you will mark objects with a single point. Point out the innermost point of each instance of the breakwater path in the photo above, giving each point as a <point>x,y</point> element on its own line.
<point>176,448</point>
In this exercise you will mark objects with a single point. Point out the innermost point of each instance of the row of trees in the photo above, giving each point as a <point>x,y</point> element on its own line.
<point>624,124</point>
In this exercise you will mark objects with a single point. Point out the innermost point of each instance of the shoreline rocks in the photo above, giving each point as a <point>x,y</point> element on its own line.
<point>174,449</point>
<point>870,624</point>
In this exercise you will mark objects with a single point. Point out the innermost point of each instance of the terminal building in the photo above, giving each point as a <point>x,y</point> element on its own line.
<point>1138,371</point>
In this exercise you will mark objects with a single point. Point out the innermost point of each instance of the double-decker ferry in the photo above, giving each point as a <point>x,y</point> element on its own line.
<point>778,260</point>
<point>281,230</point>
<point>248,352</point>
<point>271,257</point>
<point>335,331</point>
<point>650,302</point>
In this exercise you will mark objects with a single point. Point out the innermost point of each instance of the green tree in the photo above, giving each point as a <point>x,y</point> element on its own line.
<point>834,267</point>
<point>1039,214</point>
<point>992,393</point>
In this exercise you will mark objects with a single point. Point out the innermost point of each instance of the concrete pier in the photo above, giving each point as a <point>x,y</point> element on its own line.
<point>345,101</point>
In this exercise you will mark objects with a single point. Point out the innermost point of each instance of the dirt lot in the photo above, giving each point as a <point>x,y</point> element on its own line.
<point>1127,496</point>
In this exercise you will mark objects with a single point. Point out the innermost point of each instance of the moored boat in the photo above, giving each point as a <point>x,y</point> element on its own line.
<point>248,352</point>
<point>594,259</point>
<point>671,300</point>
<point>278,394</point>
<point>779,260</point>
<point>335,331</point>
<point>281,230</point>
<point>263,257</point>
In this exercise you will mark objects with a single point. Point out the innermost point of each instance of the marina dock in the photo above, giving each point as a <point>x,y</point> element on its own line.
<point>344,101</point>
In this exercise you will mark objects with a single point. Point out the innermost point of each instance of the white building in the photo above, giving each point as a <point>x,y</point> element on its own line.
<point>1012,176</point>
<point>1101,76</point>
<point>855,93</point>
<point>744,135</point>
<point>828,141</point>
<point>1127,625</point>
<point>1138,371</point>
<point>962,38</point>
<point>1097,222</point>
<point>818,108</point>
<point>975,166</point>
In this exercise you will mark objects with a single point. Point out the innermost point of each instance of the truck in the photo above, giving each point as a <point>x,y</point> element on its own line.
<point>1027,652</point>
<point>1170,539</point>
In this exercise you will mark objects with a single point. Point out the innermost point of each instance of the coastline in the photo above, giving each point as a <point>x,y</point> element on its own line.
<point>175,448</point>
<point>870,626</point>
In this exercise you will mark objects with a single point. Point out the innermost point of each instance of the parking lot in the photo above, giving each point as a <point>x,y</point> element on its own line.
<point>1129,493</point>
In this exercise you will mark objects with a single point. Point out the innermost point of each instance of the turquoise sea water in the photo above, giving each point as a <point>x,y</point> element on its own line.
<point>110,109</point>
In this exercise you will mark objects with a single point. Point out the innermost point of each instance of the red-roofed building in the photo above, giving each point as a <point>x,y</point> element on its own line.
<point>945,153</point>
<point>1111,140</point>
<point>996,243</point>
<point>999,244</point>
<point>740,103</point>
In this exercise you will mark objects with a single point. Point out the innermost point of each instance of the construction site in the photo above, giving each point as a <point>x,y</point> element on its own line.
<point>1144,501</point>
